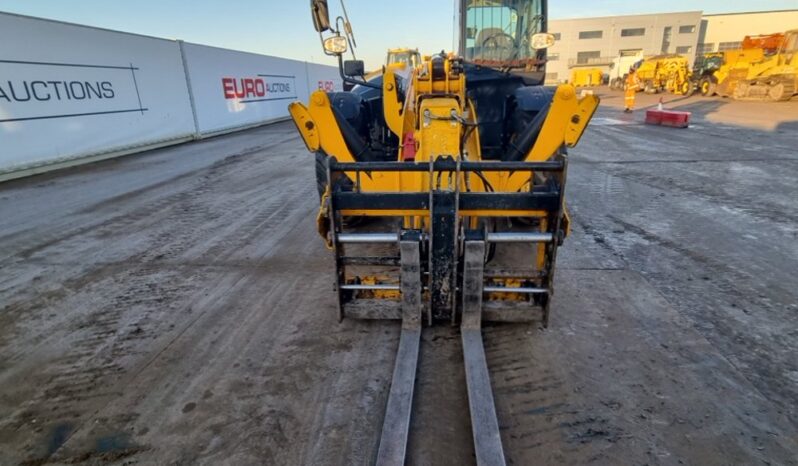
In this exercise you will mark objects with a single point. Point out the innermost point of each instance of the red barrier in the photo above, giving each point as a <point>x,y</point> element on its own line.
<point>670,118</point>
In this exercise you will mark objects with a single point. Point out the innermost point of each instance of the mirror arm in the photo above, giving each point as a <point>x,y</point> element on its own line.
<point>350,80</point>
<point>341,24</point>
<point>348,26</point>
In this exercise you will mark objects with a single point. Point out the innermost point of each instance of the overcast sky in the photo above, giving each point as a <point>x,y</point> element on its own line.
<point>283,28</point>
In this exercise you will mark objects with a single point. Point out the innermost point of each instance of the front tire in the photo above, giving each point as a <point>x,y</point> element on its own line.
<point>321,173</point>
<point>708,86</point>
<point>341,182</point>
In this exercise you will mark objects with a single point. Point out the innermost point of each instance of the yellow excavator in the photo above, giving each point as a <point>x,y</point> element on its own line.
<point>459,170</point>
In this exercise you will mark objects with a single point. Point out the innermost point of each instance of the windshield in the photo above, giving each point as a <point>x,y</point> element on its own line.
<point>408,58</point>
<point>499,32</point>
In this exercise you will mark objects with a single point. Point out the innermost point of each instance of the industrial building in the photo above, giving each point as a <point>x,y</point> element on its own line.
<point>726,31</point>
<point>596,42</point>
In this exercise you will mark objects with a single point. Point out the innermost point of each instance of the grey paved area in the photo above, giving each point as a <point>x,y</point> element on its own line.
<point>176,307</point>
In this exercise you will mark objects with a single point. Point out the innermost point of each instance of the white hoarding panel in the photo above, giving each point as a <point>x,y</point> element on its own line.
<point>234,89</point>
<point>323,77</point>
<point>70,91</point>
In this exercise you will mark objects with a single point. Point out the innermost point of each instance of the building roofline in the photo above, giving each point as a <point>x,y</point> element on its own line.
<point>704,15</point>
<point>699,12</point>
<point>754,12</point>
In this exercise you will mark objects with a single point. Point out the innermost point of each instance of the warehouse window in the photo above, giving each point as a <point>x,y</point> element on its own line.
<point>633,32</point>
<point>583,58</point>
<point>557,35</point>
<point>553,56</point>
<point>629,52</point>
<point>706,48</point>
<point>729,46</point>
<point>666,39</point>
<point>686,29</point>
<point>684,50</point>
<point>551,77</point>
<point>591,34</point>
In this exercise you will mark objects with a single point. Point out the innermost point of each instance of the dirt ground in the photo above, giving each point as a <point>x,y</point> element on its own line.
<point>176,307</point>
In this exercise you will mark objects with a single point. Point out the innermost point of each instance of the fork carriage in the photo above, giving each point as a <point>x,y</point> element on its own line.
<point>448,226</point>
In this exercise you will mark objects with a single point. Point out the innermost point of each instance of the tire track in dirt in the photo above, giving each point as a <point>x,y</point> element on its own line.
<point>104,342</point>
<point>539,417</point>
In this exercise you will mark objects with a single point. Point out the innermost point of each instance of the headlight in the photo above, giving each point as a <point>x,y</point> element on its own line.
<point>335,45</point>
<point>542,41</point>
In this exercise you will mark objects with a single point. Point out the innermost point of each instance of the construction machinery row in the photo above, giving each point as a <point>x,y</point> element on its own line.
<point>443,193</point>
<point>764,68</point>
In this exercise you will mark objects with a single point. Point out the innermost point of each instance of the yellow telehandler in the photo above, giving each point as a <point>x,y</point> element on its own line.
<point>460,167</point>
<point>668,73</point>
<point>398,59</point>
<point>405,56</point>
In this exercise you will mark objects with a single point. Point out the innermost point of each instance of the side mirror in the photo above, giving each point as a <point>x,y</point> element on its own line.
<point>542,41</point>
<point>354,68</point>
<point>321,15</point>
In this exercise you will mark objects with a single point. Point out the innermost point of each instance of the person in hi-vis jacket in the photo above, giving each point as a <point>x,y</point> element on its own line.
<point>632,86</point>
